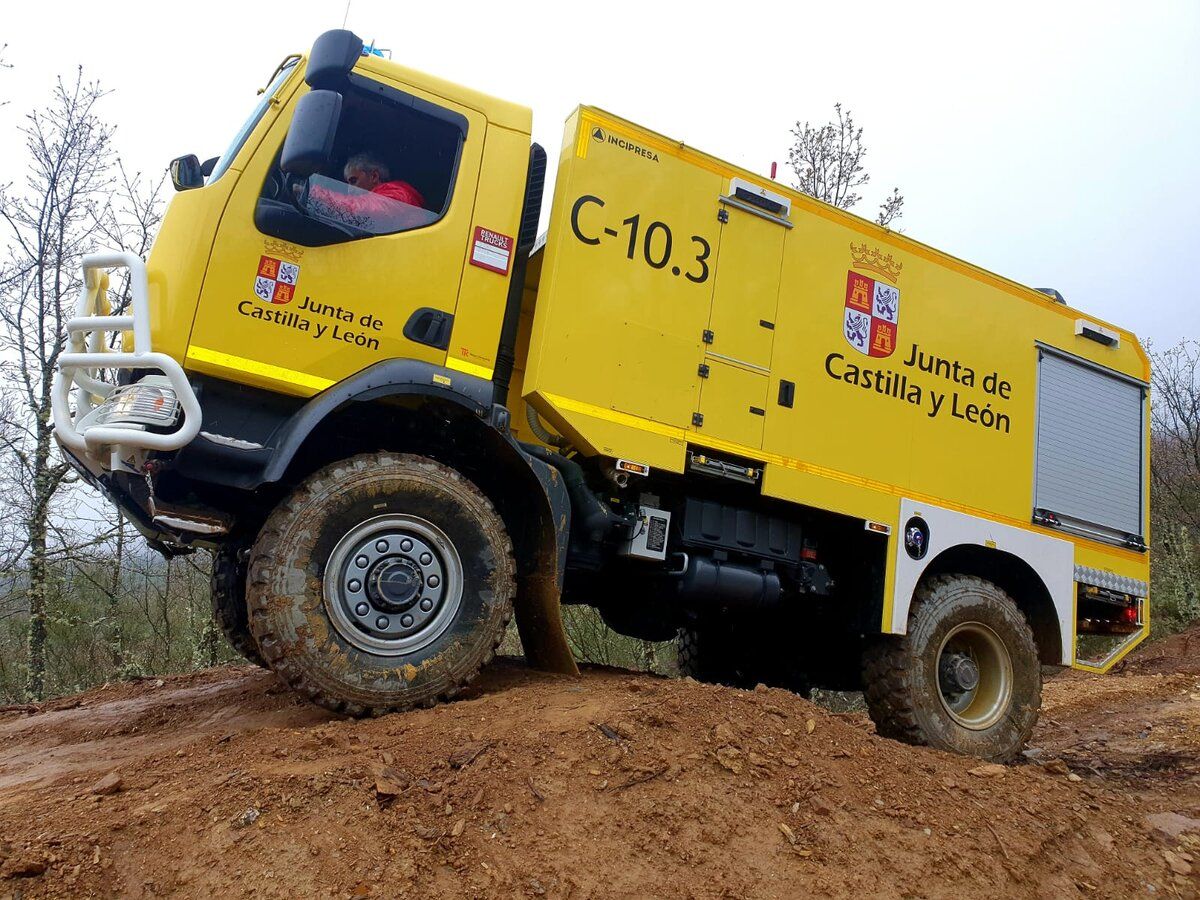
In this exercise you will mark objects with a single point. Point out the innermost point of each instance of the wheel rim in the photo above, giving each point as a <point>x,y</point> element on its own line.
<point>393,584</point>
<point>975,676</point>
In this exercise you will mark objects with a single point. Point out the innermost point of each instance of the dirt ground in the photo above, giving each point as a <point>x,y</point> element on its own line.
<point>609,785</point>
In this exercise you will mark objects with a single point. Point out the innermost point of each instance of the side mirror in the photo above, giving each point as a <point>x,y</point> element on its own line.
<point>332,57</point>
<point>308,146</point>
<point>186,173</point>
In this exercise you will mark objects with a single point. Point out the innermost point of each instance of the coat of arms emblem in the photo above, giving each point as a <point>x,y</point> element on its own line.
<point>872,314</point>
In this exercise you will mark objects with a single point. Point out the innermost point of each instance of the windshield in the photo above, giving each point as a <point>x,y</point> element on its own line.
<point>244,132</point>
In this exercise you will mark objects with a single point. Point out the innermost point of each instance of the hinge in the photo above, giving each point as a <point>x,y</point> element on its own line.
<point>707,336</point>
<point>697,419</point>
<point>702,371</point>
<point>722,215</point>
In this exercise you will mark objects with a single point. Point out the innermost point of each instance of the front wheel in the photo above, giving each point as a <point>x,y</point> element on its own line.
<point>383,582</point>
<point>966,677</point>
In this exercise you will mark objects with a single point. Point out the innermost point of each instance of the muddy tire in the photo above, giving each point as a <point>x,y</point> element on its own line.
<point>383,582</point>
<point>966,677</point>
<point>228,584</point>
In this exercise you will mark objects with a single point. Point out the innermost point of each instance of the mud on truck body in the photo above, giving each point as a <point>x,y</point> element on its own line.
<point>811,450</point>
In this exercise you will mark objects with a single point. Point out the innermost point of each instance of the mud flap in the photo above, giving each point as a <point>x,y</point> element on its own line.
<point>539,622</point>
<point>539,590</point>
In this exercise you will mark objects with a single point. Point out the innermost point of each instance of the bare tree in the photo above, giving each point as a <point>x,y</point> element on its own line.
<point>828,160</point>
<point>75,198</point>
<point>1175,415</point>
<point>1175,494</point>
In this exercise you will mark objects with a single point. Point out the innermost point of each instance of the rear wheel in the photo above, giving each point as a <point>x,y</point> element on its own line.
<point>965,678</point>
<point>228,584</point>
<point>739,654</point>
<point>383,582</point>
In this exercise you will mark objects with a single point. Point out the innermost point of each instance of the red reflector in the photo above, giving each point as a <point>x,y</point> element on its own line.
<point>1131,614</point>
<point>808,553</point>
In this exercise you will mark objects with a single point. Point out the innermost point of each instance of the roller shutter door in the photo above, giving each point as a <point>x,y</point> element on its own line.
<point>1089,444</point>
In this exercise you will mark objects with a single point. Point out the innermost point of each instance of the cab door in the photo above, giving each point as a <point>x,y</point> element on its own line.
<point>295,307</point>
<point>741,329</point>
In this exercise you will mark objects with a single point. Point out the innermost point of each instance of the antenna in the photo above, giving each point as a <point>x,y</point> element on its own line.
<point>347,15</point>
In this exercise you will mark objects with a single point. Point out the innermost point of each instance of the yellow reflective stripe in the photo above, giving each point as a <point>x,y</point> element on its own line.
<point>263,370</point>
<point>469,367</point>
<point>698,437</point>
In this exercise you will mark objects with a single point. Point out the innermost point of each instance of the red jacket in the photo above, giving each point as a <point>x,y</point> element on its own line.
<point>402,191</point>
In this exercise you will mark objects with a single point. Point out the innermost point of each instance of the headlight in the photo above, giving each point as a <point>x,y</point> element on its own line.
<point>149,402</point>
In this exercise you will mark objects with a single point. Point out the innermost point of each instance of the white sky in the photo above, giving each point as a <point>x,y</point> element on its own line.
<point>1052,142</point>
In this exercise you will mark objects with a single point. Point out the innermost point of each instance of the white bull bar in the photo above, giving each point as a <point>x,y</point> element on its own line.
<point>87,354</point>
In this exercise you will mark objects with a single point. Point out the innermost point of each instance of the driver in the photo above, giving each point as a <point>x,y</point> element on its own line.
<point>375,196</point>
<point>366,172</point>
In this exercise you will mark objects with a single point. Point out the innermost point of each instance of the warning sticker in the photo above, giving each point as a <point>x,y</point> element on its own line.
<point>491,250</point>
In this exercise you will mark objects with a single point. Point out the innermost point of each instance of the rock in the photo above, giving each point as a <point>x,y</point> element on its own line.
<point>723,734</point>
<point>388,758</point>
<point>109,784</point>
<point>1056,767</point>
<point>821,807</point>
<point>988,770</point>
<point>433,787</point>
<point>458,828</point>
<point>810,726</point>
<point>731,759</point>
<point>467,754</point>
<point>1072,777</point>
<point>390,782</point>
<point>1171,824</point>
<point>249,817</point>
<point>761,688</point>
<point>1033,752</point>
<point>1176,864</point>
<point>757,760</point>
<point>27,866</point>
<point>625,729</point>
<point>790,761</point>
<point>787,832</point>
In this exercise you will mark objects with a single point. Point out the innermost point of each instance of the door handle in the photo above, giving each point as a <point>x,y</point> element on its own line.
<point>430,327</point>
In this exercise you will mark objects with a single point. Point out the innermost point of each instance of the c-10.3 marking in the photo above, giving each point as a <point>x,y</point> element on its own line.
<point>655,252</point>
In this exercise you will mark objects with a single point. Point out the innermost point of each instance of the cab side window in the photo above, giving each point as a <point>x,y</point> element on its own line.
<point>393,168</point>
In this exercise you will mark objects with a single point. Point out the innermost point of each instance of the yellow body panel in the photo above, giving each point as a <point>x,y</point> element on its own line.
<point>946,417</point>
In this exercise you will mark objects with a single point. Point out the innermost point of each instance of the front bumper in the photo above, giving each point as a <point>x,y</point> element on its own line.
<point>84,382</point>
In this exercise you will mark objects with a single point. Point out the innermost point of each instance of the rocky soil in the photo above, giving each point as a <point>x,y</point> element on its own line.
<point>608,785</point>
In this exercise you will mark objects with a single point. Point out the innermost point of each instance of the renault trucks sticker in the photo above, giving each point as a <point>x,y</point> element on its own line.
<point>491,250</point>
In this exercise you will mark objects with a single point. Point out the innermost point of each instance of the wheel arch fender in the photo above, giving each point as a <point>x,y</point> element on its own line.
<point>390,378</point>
<point>1017,579</point>
<point>1035,569</point>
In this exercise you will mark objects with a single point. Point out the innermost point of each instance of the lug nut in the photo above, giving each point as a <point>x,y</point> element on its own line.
<point>426,559</point>
<point>382,623</point>
<point>361,562</point>
<point>406,545</point>
<point>381,546</point>
<point>362,609</point>
<point>406,621</point>
<point>426,605</point>
<point>433,581</point>
<point>354,584</point>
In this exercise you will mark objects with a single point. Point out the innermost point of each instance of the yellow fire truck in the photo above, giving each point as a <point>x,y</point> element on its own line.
<point>811,450</point>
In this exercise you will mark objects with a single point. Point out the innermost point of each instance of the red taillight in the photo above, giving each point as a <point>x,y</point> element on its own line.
<point>1131,614</point>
